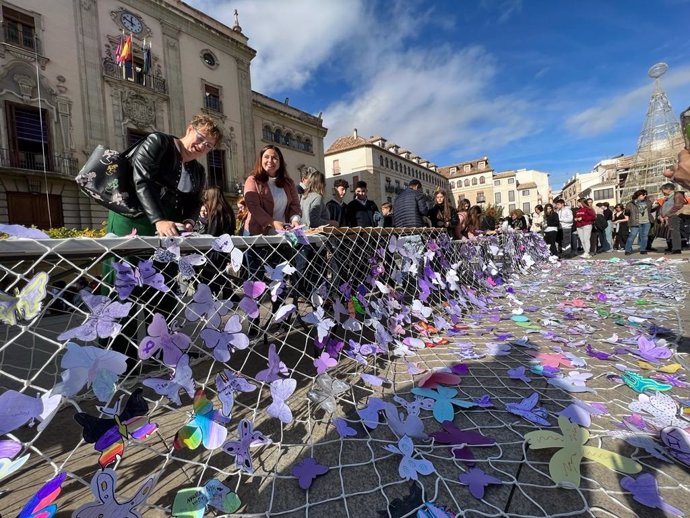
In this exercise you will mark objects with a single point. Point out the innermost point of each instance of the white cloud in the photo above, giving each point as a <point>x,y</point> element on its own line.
<point>610,112</point>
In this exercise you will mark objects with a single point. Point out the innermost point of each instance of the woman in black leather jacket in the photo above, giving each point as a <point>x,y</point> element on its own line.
<point>168,179</point>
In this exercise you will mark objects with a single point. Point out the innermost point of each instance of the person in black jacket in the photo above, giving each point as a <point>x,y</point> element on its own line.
<point>218,218</point>
<point>361,211</point>
<point>443,214</point>
<point>410,207</point>
<point>168,179</point>
<point>551,225</point>
<point>337,208</point>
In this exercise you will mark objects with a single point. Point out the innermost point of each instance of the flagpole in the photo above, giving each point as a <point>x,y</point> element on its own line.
<point>122,44</point>
<point>143,54</point>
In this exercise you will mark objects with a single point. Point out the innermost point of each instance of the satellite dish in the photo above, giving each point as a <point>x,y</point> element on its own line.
<point>657,70</point>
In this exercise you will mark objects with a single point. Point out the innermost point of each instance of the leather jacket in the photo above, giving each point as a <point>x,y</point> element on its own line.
<point>156,170</point>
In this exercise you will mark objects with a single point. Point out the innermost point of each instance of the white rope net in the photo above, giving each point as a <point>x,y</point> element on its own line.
<point>378,311</point>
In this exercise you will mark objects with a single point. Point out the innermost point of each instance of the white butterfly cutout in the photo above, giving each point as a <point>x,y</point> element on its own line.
<point>281,390</point>
<point>224,244</point>
<point>410,468</point>
<point>317,318</point>
<point>660,409</point>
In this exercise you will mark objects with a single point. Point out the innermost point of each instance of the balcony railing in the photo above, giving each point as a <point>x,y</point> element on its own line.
<point>54,163</point>
<point>155,83</point>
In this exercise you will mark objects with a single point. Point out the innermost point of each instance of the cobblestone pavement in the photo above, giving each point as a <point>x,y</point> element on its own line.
<point>570,306</point>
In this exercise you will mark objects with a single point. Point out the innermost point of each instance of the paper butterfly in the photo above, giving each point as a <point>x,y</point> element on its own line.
<point>127,278</point>
<point>181,380</point>
<point>344,430</point>
<point>307,471</point>
<point>439,377</point>
<point>108,436</point>
<point>661,410</point>
<point>18,409</point>
<point>240,448</point>
<point>410,468</point>
<point>8,450</point>
<point>276,368</point>
<point>24,304</point>
<point>644,490</point>
<point>185,263</point>
<point>323,325</point>
<point>564,466</point>
<point>518,373</point>
<point>101,322</point>
<point>445,399</point>
<point>203,305</point>
<point>41,504</point>
<point>431,510</point>
<point>451,434</point>
<point>89,365</point>
<point>280,271</point>
<point>651,352</point>
<point>477,480</point>
<point>573,382</point>
<point>527,409</point>
<point>224,244</point>
<point>677,440</point>
<point>580,412</point>
<point>23,232</point>
<point>221,341</point>
<point>252,291</point>
<point>173,344</point>
<point>192,502</point>
<point>281,390</point>
<point>103,486</point>
<point>227,383</point>
<point>206,427</point>
<point>325,391</point>
<point>324,362</point>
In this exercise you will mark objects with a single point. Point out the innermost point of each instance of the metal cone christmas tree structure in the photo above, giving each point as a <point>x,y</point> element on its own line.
<point>659,143</point>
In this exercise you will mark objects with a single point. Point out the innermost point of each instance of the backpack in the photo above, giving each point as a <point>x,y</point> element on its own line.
<point>600,222</point>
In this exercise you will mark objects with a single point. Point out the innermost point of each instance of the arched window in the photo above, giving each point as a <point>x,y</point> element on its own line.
<point>268,134</point>
<point>289,140</point>
<point>386,162</point>
<point>381,160</point>
<point>298,143</point>
<point>482,180</point>
<point>278,136</point>
<point>474,181</point>
<point>452,185</point>
<point>307,146</point>
<point>467,182</point>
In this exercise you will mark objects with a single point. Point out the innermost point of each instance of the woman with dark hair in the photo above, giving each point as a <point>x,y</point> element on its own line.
<point>639,221</point>
<point>551,224</point>
<point>463,212</point>
<point>219,217</point>
<point>620,227</point>
<point>443,214</point>
<point>488,223</point>
<point>241,215</point>
<point>270,194</point>
<point>538,220</point>
<point>474,217</point>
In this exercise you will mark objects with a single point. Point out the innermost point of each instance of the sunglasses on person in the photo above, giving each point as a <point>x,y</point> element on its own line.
<point>202,140</point>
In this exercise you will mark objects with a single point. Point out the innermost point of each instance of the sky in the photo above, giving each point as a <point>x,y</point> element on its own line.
<point>552,85</point>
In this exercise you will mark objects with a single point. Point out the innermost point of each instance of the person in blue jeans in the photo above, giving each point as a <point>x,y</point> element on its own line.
<point>640,220</point>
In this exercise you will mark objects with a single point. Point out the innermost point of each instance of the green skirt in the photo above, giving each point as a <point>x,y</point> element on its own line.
<point>122,225</point>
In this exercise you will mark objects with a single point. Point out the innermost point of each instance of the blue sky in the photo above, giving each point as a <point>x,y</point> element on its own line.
<point>553,85</point>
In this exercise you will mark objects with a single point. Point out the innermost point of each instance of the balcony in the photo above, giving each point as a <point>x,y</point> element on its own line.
<point>113,71</point>
<point>389,188</point>
<point>55,163</point>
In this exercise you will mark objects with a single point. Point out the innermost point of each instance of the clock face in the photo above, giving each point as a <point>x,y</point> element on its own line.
<point>132,23</point>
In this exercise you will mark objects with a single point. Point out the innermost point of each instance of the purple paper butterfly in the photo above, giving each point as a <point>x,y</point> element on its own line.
<point>23,232</point>
<point>171,254</point>
<point>477,480</point>
<point>645,491</point>
<point>410,468</point>
<point>276,368</point>
<point>527,409</point>
<point>323,325</point>
<point>651,352</point>
<point>252,291</point>
<point>324,362</point>
<point>222,341</point>
<point>203,305</point>
<point>181,380</point>
<point>344,430</point>
<point>518,373</point>
<point>227,383</point>
<point>453,435</point>
<point>128,277</point>
<point>101,322</point>
<point>172,343</point>
<point>240,448</point>
<point>307,471</point>
<point>281,390</point>
<point>599,355</point>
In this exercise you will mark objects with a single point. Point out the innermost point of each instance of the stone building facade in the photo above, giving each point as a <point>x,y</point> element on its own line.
<point>470,180</point>
<point>62,93</point>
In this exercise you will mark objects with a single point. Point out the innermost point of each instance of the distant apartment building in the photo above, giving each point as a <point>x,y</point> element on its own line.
<point>602,183</point>
<point>387,168</point>
<point>470,180</point>
<point>521,189</point>
<point>64,90</point>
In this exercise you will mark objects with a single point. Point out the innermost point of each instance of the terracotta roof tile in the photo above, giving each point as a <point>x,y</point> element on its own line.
<point>347,142</point>
<point>527,185</point>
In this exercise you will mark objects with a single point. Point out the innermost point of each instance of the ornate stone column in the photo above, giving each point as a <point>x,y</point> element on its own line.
<point>246,117</point>
<point>173,71</point>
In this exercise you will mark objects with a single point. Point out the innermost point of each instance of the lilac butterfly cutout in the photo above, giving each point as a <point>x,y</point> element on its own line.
<point>344,430</point>
<point>518,373</point>
<point>88,365</point>
<point>171,254</point>
<point>18,409</point>
<point>240,448</point>
<point>317,318</point>
<point>373,380</point>
<point>128,277</point>
<point>203,305</point>
<point>445,401</point>
<point>280,271</point>
<point>677,440</point>
<point>307,471</point>
<point>651,352</point>
<point>160,338</point>
<point>599,355</point>
<point>644,490</point>
<point>580,412</point>
<point>410,468</point>
<point>252,291</point>
<point>528,410</point>
<point>101,322</point>
<point>182,379</point>
<point>412,425</point>
<point>484,401</point>
<point>9,449</point>
<point>276,368</point>
<point>324,362</point>
<point>478,481</point>
<point>281,390</point>
<point>413,369</point>
<point>222,341</point>
<point>453,435</point>
<point>224,244</point>
<point>23,232</point>
<point>325,391</point>
<point>227,383</point>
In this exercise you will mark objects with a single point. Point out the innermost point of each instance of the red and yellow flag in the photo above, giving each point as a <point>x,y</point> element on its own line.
<point>125,50</point>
